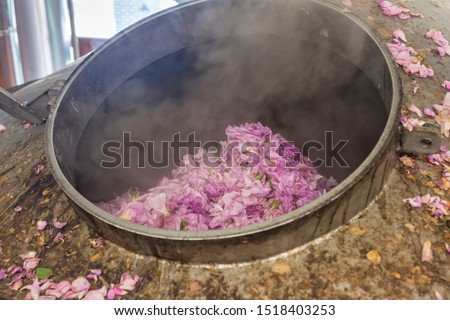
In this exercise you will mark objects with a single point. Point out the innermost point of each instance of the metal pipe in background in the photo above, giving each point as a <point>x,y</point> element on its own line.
<point>10,62</point>
<point>33,32</point>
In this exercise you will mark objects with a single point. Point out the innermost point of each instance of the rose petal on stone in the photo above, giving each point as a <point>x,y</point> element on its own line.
<point>413,108</point>
<point>59,225</point>
<point>38,168</point>
<point>17,208</point>
<point>128,282</point>
<point>438,296</point>
<point>27,255</point>
<point>399,34</point>
<point>41,225</point>
<point>2,128</point>
<point>446,84</point>
<point>427,253</point>
<point>98,294</point>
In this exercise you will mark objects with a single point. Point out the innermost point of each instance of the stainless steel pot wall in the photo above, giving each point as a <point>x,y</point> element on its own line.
<point>301,67</point>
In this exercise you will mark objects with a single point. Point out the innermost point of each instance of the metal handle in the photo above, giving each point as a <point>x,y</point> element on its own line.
<point>425,139</point>
<point>31,103</point>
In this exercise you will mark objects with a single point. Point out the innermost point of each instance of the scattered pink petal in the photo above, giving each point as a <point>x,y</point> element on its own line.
<point>347,3</point>
<point>416,14</point>
<point>95,273</point>
<point>34,290</point>
<point>429,112</point>
<point>31,263</point>
<point>41,225</point>
<point>17,208</point>
<point>2,128</point>
<point>427,253</point>
<point>446,85</point>
<point>438,38</point>
<point>402,13</point>
<point>58,289</point>
<point>59,236</point>
<point>399,34</point>
<point>128,282</point>
<point>15,285</point>
<point>411,123</point>
<point>413,108</point>
<point>2,274</point>
<point>407,161</point>
<point>415,202</point>
<point>115,291</point>
<point>38,168</point>
<point>80,286</point>
<point>26,125</point>
<point>405,57</point>
<point>98,294</point>
<point>416,89</point>
<point>59,225</point>
<point>438,296</point>
<point>28,255</point>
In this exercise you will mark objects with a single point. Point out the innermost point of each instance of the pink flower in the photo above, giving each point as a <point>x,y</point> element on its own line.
<point>98,294</point>
<point>41,225</point>
<point>59,225</point>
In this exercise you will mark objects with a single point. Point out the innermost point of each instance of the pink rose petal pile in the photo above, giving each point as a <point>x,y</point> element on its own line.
<point>237,191</point>
<point>47,289</point>
<point>438,38</point>
<point>406,56</point>
<point>402,13</point>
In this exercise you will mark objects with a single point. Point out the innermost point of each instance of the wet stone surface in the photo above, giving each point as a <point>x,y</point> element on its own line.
<point>378,255</point>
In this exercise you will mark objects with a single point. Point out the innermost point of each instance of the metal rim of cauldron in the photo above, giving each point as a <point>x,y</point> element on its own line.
<point>383,143</point>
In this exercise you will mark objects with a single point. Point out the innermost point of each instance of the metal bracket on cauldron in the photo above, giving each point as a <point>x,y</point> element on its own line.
<point>32,102</point>
<point>425,139</point>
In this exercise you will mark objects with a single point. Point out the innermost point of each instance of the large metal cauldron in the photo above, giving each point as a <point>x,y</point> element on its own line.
<point>301,67</point>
